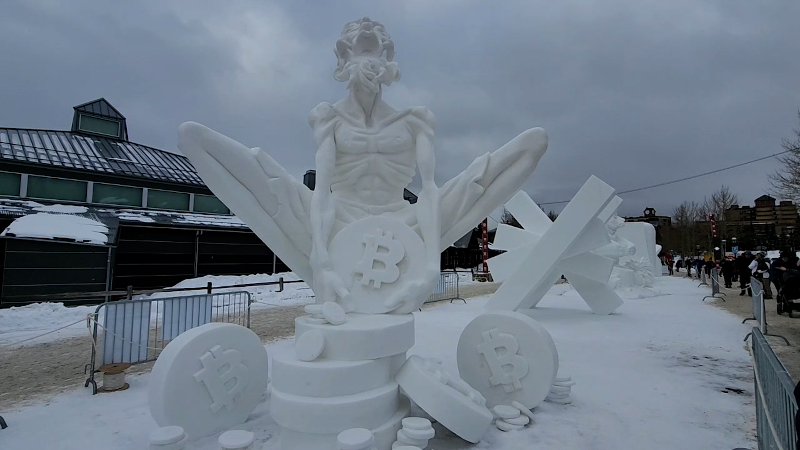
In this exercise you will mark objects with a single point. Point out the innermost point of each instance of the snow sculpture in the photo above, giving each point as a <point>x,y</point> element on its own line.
<point>416,433</point>
<point>208,379</point>
<point>544,250</point>
<point>358,243</point>
<point>511,418</point>
<point>643,237</point>
<point>508,356</point>
<point>642,271</point>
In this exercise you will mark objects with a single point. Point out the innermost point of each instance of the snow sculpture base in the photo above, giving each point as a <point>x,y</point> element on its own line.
<point>208,379</point>
<point>508,356</point>
<point>446,398</point>
<point>351,384</point>
<point>627,277</point>
<point>363,336</point>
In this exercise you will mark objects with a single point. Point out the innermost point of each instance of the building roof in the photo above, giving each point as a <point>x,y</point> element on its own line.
<point>101,107</point>
<point>92,153</point>
<point>765,198</point>
<point>62,223</point>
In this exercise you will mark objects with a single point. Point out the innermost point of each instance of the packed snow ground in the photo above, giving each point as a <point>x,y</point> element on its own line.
<point>661,373</point>
<point>25,323</point>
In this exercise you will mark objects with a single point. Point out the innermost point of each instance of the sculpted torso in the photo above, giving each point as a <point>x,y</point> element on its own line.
<point>373,164</point>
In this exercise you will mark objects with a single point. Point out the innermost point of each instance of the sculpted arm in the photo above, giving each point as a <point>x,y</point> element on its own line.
<point>428,215</point>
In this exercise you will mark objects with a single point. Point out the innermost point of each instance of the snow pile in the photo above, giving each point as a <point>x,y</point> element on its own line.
<point>262,296</point>
<point>656,375</point>
<point>23,322</point>
<point>59,226</point>
<point>64,209</point>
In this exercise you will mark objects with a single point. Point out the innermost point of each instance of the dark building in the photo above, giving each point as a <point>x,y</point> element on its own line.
<point>161,223</point>
<point>768,224</point>
<point>662,224</point>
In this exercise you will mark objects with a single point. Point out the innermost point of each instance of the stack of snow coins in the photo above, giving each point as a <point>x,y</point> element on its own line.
<point>339,375</point>
<point>416,433</point>
<point>355,439</point>
<point>561,390</point>
<point>512,418</point>
<point>236,440</point>
<point>168,438</point>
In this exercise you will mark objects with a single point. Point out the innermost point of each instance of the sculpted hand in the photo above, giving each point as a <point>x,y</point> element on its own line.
<point>416,294</point>
<point>332,287</point>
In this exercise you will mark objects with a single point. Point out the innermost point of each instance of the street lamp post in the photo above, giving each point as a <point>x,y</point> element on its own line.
<point>733,242</point>
<point>723,248</point>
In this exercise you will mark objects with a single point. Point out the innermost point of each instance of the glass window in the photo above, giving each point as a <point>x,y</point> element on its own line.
<point>167,200</point>
<point>209,204</point>
<point>110,194</point>
<point>56,189</point>
<point>98,125</point>
<point>9,183</point>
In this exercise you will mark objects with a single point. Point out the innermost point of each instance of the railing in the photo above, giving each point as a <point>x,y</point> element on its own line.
<point>776,405</point>
<point>447,289</point>
<point>759,310</point>
<point>714,286</point>
<point>136,331</point>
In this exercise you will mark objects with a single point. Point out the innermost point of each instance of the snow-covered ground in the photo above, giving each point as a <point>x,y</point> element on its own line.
<point>26,322</point>
<point>652,376</point>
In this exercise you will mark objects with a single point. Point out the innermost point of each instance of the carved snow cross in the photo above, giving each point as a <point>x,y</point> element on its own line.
<point>544,250</point>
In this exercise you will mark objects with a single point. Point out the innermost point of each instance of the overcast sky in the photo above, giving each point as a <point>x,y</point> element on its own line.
<point>633,91</point>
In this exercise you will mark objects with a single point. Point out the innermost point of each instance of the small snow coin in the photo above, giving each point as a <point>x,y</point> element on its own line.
<point>416,423</point>
<point>314,310</point>
<point>521,420</point>
<point>316,320</point>
<point>506,412</point>
<point>333,313</point>
<point>309,345</point>
<point>505,426</point>
<point>566,378</point>
<point>420,434</point>
<point>564,383</point>
<point>400,446</point>
<point>236,439</point>
<point>355,439</point>
<point>523,409</point>
<point>166,435</point>
<point>562,401</point>
<point>557,388</point>
<point>408,440</point>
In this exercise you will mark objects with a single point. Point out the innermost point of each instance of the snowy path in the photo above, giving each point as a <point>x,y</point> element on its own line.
<point>663,373</point>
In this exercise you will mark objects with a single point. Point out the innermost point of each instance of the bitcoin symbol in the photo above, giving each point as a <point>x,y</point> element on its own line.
<point>493,341</point>
<point>394,253</point>
<point>219,384</point>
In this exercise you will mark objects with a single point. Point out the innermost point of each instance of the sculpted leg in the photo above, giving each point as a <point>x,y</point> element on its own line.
<point>489,182</point>
<point>257,189</point>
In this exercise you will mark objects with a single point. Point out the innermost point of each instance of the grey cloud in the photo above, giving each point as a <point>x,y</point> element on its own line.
<point>635,92</point>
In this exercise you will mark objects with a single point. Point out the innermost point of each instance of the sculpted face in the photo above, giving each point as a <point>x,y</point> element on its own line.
<point>615,223</point>
<point>365,54</point>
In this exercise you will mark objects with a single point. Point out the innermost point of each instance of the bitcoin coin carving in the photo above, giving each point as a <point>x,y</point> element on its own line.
<point>507,357</point>
<point>379,258</point>
<point>387,272</point>
<point>218,383</point>
<point>493,341</point>
<point>208,379</point>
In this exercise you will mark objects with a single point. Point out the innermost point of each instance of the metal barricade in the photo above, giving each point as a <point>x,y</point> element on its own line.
<point>714,286</point>
<point>702,277</point>
<point>447,289</point>
<point>760,311</point>
<point>136,331</point>
<point>776,406</point>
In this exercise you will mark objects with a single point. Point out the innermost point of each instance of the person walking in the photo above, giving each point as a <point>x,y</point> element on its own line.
<point>744,273</point>
<point>727,272</point>
<point>760,271</point>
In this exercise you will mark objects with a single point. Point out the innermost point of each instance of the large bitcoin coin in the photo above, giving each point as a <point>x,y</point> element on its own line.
<point>208,379</point>
<point>376,257</point>
<point>508,356</point>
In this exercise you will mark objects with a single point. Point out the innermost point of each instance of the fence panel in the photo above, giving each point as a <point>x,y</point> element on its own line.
<point>776,405</point>
<point>447,289</point>
<point>136,331</point>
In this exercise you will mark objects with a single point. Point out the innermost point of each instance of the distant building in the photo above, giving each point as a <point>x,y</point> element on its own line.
<point>768,225</point>
<point>662,224</point>
<point>162,224</point>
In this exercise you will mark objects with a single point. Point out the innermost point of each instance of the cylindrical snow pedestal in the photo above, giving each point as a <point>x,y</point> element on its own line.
<point>351,385</point>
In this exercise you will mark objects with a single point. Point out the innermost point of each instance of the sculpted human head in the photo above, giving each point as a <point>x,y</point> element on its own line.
<point>365,53</point>
<point>615,223</point>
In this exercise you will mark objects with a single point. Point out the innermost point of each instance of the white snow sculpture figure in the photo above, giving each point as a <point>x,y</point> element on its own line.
<point>367,153</point>
<point>643,271</point>
<point>619,246</point>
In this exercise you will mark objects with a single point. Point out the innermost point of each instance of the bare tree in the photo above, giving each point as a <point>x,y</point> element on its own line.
<point>684,220</point>
<point>720,201</point>
<point>508,219</point>
<point>786,180</point>
<point>552,215</point>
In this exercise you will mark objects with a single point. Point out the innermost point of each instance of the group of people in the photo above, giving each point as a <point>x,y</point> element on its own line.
<point>747,266</point>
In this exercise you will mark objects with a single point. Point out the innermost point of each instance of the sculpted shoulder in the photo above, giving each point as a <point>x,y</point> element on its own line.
<point>321,115</point>
<point>423,120</point>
